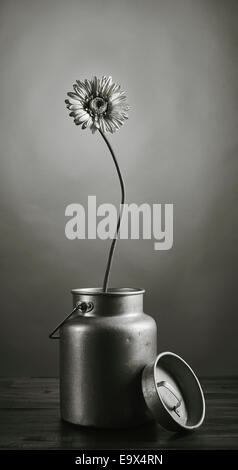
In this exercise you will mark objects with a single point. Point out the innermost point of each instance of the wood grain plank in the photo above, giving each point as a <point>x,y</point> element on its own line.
<point>30,419</point>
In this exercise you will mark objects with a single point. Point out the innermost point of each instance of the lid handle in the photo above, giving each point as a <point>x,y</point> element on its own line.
<point>167,400</point>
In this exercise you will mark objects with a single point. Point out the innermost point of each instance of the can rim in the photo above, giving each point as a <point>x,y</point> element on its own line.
<point>112,291</point>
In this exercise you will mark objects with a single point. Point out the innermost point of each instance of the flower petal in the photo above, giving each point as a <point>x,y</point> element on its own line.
<point>88,87</point>
<point>75,96</point>
<point>82,118</point>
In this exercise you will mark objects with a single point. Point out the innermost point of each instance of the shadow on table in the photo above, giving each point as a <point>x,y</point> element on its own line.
<point>80,437</point>
<point>147,436</point>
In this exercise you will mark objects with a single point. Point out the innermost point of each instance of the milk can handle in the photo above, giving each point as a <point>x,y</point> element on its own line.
<point>84,307</point>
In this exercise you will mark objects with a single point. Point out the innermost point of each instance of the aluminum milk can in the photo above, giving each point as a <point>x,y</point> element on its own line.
<point>104,347</point>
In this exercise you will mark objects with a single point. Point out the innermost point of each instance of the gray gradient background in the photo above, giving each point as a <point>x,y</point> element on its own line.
<point>177,60</point>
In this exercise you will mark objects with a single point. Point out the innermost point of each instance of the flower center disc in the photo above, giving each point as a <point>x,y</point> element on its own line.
<point>98,105</point>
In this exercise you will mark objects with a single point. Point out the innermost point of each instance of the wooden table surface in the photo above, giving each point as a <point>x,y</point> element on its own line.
<point>30,419</point>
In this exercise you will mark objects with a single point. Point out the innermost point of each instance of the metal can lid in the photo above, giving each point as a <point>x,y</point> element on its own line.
<point>173,393</point>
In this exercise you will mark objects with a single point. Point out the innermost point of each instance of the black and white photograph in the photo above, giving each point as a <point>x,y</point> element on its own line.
<point>118,232</point>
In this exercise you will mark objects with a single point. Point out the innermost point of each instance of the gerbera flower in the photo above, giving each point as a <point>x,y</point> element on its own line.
<point>98,104</point>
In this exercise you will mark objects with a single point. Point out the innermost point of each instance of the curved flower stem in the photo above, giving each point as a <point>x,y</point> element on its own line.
<point>113,244</point>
